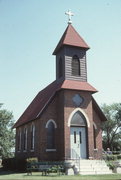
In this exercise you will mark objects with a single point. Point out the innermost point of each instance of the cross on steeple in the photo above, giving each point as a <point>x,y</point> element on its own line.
<point>69,13</point>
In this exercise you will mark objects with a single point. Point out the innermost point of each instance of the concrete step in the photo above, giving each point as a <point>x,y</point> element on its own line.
<point>93,167</point>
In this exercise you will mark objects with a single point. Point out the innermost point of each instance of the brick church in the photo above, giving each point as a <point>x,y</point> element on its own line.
<point>63,121</point>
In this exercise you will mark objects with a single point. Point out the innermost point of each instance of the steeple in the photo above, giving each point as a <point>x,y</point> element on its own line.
<point>71,56</point>
<point>71,38</point>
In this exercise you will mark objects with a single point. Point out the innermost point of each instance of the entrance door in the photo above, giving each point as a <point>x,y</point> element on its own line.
<point>78,142</point>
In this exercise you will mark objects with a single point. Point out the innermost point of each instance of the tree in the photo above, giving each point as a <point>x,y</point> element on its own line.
<point>112,127</point>
<point>7,134</point>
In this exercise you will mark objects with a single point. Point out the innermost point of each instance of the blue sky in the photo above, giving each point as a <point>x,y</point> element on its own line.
<point>31,29</point>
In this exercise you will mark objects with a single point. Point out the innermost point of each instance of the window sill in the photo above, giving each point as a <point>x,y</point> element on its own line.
<point>32,150</point>
<point>25,151</point>
<point>19,151</point>
<point>95,150</point>
<point>50,150</point>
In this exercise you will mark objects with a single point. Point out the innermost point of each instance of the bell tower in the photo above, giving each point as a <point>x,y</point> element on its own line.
<point>71,56</point>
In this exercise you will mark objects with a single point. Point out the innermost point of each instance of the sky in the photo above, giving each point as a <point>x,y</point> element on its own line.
<point>29,33</point>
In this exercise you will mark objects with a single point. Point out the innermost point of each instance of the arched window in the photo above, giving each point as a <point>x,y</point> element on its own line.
<point>50,135</point>
<point>25,139</point>
<point>32,136</point>
<point>19,139</point>
<point>78,119</point>
<point>60,68</point>
<point>94,137</point>
<point>75,66</point>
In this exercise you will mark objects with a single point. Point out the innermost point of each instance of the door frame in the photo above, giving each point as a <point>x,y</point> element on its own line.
<point>86,134</point>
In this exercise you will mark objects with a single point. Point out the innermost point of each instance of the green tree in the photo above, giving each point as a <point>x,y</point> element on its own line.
<point>7,134</point>
<point>112,127</point>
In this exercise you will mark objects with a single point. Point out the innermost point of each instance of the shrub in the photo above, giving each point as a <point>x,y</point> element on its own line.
<point>9,164</point>
<point>110,157</point>
<point>32,160</point>
<point>119,156</point>
<point>111,165</point>
<point>14,164</point>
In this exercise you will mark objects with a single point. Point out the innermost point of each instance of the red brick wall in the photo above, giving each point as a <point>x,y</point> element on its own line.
<point>59,109</point>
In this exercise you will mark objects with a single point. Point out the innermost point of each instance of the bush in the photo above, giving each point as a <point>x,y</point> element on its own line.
<point>119,156</point>
<point>9,164</point>
<point>14,164</point>
<point>32,160</point>
<point>116,152</point>
<point>110,157</point>
<point>111,165</point>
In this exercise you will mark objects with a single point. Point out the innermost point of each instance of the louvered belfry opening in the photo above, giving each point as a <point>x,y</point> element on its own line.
<point>75,66</point>
<point>60,68</point>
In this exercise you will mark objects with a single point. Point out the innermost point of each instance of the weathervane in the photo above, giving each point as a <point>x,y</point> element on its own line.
<point>69,13</point>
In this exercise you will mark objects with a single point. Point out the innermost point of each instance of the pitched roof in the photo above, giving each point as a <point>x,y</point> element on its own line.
<point>98,110</point>
<point>39,103</point>
<point>71,38</point>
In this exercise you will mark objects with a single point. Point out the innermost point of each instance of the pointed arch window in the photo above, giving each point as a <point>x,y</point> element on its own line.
<point>25,139</point>
<point>94,137</point>
<point>75,65</point>
<point>19,140</point>
<point>51,125</point>
<point>60,68</point>
<point>32,136</point>
<point>78,119</point>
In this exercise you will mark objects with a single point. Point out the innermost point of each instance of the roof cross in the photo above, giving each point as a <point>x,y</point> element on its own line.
<point>70,14</point>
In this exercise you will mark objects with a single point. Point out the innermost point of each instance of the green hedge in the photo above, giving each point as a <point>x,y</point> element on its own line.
<point>111,157</point>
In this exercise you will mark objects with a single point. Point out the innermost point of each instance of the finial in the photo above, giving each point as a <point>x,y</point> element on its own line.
<point>69,13</point>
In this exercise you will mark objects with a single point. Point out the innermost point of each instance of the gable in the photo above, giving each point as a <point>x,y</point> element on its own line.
<point>98,110</point>
<point>39,103</point>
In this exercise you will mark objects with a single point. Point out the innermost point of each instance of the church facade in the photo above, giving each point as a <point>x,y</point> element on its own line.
<point>63,121</point>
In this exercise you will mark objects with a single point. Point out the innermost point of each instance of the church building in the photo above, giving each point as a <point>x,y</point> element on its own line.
<point>63,121</point>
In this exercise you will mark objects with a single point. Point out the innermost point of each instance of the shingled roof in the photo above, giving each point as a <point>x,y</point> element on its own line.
<point>71,38</point>
<point>39,103</point>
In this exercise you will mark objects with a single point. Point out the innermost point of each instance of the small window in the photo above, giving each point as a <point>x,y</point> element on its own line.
<point>51,136</point>
<point>75,66</point>
<point>80,137</point>
<point>32,136</point>
<point>75,137</point>
<point>25,139</point>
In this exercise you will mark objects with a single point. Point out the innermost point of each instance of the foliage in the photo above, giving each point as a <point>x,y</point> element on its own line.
<point>7,135</point>
<point>9,164</point>
<point>32,160</point>
<point>111,165</point>
<point>112,127</point>
<point>14,164</point>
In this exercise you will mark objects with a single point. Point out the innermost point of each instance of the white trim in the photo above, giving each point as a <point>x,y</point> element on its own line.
<point>24,150</point>
<point>95,126</point>
<point>32,150</point>
<point>50,150</point>
<point>51,120</point>
<point>95,150</point>
<point>82,111</point>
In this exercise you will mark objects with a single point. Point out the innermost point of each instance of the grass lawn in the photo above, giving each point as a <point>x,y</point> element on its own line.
<point>37,175</point>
